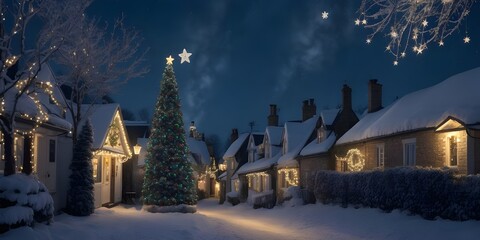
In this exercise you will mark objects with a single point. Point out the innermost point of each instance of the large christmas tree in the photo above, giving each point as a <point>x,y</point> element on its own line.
<point>168,177</point>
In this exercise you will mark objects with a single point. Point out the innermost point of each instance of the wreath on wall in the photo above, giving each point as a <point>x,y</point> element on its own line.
<point>114,135</point>
<point>355,160</point>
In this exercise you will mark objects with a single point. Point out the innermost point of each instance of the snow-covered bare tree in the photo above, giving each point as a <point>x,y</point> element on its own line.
<point>98,59</point>
<point>30,32</point>
<point>413,23</point>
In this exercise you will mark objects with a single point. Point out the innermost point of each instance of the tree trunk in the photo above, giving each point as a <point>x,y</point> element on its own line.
<point>9,153</point>
<point>27,155</point>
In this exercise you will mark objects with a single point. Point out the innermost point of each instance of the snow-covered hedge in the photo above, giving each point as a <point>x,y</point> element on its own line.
<point>264,199</point>
<point>423,191</point>
<point>23,199</point>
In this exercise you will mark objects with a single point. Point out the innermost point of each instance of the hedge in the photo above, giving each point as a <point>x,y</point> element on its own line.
<point>427,192</point>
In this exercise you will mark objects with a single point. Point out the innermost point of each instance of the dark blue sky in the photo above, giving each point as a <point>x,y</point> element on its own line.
<point>249,54</point>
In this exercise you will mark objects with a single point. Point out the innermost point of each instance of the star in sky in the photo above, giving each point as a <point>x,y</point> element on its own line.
<point>324,15</point>
<point>170,60</point>
<point>185,56</point>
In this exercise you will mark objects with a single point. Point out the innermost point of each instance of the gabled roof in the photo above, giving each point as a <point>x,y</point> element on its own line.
<point>257,138</point>
<point>101,117</point>
<point>297,135</point>
<point>329,116</point>
<point>274,134</point>
<point>235,146</point>
<point>315,147</point>
<point>457,97</point>
<point>259,165</point>
<point>199,148</point>
<point>27,108</point>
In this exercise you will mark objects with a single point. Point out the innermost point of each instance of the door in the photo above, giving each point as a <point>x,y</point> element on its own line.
<point>106,181</point>
<point>45,161</point>
<point>212,187</point>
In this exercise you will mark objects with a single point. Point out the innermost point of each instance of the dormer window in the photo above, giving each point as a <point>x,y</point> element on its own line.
<point>320,135</point>
<point>284,148</point>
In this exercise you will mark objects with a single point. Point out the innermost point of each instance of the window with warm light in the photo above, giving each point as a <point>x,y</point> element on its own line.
<point>452,150</point>
<point>96,164</point>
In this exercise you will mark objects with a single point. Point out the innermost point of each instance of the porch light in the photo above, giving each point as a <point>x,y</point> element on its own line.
<point>136,149</point>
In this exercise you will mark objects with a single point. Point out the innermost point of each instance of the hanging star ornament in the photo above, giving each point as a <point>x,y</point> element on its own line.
<point>466,39</point>
<point>169,60</point>
<point>185,56</point>
<point>324,15</point>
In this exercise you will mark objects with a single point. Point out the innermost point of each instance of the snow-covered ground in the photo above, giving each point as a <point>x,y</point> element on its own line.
<point>213,221</point>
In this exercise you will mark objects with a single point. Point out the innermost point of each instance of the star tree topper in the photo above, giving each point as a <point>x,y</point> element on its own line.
<point>169,60</point>
<point>185,56</point>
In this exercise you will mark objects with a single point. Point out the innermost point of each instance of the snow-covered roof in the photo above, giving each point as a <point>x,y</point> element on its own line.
<point>297,135</point>
<point>259,165</point>
<point>328,116</point>
<point>26,105</point>
<point>235,146</point>
<point>101,117</point>
<point>136,123</point>
<point>274,135</point>
<point>223,176</point>
<point>200,149</point>
<point>458,97</point>
<point>314,147</point>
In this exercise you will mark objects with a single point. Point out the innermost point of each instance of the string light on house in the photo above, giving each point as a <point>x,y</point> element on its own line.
<point>291,175</point>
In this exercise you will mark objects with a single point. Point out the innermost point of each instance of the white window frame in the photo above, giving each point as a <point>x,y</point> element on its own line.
<point>406,144</point>
<point>380,155</point>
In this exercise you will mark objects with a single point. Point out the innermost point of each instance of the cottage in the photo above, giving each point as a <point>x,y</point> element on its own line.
<point>317,155</point>
<point>111,149</point>
<point>235,156</point>
<point>434,127</point>
<point>42,135</point>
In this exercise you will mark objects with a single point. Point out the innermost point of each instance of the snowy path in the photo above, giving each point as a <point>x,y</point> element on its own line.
<point>213,221</point>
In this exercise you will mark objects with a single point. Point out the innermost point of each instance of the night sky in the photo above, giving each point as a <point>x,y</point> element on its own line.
<point>249,54</point>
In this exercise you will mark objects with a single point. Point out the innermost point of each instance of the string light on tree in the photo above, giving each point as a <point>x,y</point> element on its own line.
<point>413,23</point>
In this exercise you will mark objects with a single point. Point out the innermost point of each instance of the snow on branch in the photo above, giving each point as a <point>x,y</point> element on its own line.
<point>413,23</point>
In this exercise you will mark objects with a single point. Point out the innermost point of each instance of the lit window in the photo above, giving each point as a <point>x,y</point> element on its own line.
<point>453,156</point>
<point>380,155</point>
<point>97,166</point>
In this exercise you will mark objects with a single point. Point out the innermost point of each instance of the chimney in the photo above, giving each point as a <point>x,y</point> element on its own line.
<point>273,117</point>
<point>234,135</point>
<point>374,96</point>
<point>347,97</point>
<point>309,109</point>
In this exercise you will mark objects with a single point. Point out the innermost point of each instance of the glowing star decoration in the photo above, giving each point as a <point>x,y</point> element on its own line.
<point>466,39</point>
<point>324,15</point>
<point>169,60</point>
<point>395,63</point>
<point>357,22</point>
<point>369,40</point>
<point>441,43</point>
<point>185,56</point>
<point>364,21</point>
